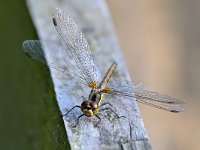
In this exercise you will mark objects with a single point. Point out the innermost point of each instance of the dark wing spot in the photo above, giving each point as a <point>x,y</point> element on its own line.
<point>54,22</point>
<point>28,55</point>
<point>171,102</point>
<point>174,111</point>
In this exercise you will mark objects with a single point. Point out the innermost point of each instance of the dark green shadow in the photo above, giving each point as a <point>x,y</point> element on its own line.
<point>29,115</point>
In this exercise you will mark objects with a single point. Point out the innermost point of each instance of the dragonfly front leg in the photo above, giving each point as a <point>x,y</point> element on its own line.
<point>71,110</point>
<point>84,98</point>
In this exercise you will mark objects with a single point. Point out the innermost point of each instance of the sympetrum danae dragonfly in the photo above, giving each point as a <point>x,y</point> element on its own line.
<point>84,70</point>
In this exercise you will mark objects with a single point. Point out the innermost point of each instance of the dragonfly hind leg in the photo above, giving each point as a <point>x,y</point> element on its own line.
<point>110,109</point>
<point>98,121</point>
<point>103,104</point>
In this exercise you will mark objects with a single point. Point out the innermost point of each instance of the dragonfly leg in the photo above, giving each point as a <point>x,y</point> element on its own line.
<point>77,120</point>
<point>70,110</point>
<point>108,108</point>
<point>84,98</point>
<point>103,104</point>
<point>98,121</point>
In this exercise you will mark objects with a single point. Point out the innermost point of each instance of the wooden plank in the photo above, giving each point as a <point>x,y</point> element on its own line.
<point>94,20</point>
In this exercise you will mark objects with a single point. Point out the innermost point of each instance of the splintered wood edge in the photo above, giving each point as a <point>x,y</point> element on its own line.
<point>93,18</point>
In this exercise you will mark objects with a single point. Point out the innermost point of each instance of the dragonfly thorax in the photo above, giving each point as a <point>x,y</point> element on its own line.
<point>89,108</point>
<point>95,96</point>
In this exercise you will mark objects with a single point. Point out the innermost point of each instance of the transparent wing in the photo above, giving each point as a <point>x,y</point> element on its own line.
<point>146,95</point>
<point>77,45</point>
<point>164,106</point>
<point>57,58</point>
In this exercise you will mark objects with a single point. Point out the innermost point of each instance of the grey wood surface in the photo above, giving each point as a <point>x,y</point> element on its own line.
<point>93,18</point>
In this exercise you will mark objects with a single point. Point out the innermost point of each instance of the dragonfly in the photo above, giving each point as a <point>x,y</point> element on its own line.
<point>81,66</point>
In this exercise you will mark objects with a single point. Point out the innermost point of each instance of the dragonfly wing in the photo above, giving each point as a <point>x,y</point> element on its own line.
<point>164,106</point>
<point>77,44</point>
<point>121,88</point>
<point>146,95</point>
<point>143,91</point>
<point>57,58</point>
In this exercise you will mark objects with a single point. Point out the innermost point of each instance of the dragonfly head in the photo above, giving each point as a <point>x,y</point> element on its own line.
<point>89,108</point>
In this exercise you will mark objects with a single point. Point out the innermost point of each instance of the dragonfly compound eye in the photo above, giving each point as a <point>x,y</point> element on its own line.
<point>85,104</point>
<point>94,107</point>
<point>87,109</point>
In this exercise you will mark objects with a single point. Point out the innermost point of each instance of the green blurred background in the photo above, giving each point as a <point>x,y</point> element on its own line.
<point>29,115</point>
<point>160,40</point>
